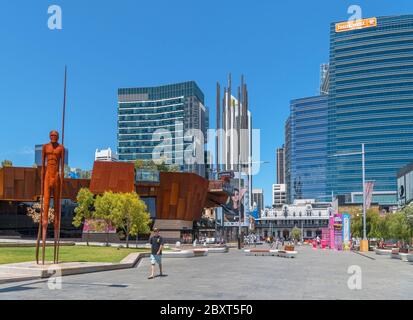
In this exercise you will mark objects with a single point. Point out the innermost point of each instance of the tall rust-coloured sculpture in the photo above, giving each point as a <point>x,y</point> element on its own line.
<point>52,162</point>
<point>52,184</point>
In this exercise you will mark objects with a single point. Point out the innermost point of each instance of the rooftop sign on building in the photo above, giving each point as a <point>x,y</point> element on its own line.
<point>356,24</point>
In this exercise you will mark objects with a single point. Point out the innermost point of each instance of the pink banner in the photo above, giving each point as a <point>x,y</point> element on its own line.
<point>369,193</point>
<point>97,226</point>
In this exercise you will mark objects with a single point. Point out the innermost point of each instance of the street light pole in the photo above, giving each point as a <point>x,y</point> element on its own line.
<point>364,243</point>
<point>364,191</point>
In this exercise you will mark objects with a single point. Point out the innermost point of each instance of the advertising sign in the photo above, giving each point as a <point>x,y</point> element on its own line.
<point>236,209</point>
<point>331,231</point>
<point>97,226</point>
<point>356,24</point>
<point>346,230</point>
<point>405,188</point>
<point>338,231</point>
<point>219,218</point>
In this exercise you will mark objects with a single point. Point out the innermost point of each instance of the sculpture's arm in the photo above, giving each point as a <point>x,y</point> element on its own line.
<point>43,168</point>
<point>62,163</point>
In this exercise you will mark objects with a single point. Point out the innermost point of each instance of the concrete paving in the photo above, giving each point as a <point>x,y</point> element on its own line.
<point>311,275</point>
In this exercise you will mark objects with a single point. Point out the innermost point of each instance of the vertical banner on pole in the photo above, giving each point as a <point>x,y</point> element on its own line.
<point>369,193</point>
<point>346,231</point>
<point>331,230</point>
<point>338,232</point>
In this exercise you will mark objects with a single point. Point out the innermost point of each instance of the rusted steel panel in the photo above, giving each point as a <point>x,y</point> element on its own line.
<point>23,184</point>
<point>181,196</point>
<point>1,183</point>
<point>72,186</point>
<point>112,176</point>
<point>215,199</point>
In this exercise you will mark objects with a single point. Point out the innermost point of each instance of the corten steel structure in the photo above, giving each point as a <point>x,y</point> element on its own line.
<point>112,176</point>
<point>24,184</point>
<point>178,198</point>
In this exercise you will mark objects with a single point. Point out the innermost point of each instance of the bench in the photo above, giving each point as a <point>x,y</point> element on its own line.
<point>395,254</point>
<point>407,257</point>
<point>287,254</point>
<point>260,252</point>
<point>278,253</point>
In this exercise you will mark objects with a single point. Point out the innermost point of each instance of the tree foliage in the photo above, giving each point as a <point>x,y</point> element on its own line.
<point>124,211</point>
<point>160,165</point>
<point>130,215</point>
<point>372,224</point>
<point>296,234</point>
<point>85,206</point>
<point>395,226</point>
<point>399,228</point>
<point>105,205</point>
<point>6,163</point>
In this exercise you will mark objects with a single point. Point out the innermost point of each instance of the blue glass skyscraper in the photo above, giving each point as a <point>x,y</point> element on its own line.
<point>371,102</point>
<point>306,149</point>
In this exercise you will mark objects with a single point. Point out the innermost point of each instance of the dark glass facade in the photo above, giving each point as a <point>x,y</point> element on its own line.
<point>306,149</point>
<point>371,102</point>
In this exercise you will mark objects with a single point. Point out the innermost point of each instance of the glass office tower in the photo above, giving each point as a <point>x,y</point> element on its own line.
<point>371,102</point>
<point>156,122</point>
<point>306,149</point>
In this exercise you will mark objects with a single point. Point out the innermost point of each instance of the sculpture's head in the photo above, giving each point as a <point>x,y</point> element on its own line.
<point>54,136</point>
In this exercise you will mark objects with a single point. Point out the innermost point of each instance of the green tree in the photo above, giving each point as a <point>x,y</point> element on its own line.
<point>85,208</point>
<point>399,228</point>
<point>296,234</point>
<point>130,215</point>
<point>105,207</point>
<point>373,228</point>
<point>383,227</point>
<point>6,163</point>
<point>407,211</point>
<point>159,165</point>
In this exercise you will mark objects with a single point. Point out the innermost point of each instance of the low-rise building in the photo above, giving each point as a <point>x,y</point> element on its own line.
<point>258,199</point>
<point>308,215</point>
<point>279,196</point>
<point>405,185</point>
<point>105,155</point>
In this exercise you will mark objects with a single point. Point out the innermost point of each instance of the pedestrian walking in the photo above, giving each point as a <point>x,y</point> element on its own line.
<point>157,243</point>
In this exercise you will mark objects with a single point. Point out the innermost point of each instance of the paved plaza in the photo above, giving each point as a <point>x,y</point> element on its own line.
<point>314,274</point>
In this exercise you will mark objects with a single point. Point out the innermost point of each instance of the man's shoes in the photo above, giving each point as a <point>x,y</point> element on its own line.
<point>151,277</point>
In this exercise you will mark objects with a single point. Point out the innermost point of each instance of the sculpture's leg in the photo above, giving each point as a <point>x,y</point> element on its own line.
<point>39,232</point>
<point>45,217</point>
<point>57,218</point>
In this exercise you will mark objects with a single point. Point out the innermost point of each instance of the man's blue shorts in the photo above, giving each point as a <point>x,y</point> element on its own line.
<point>156,258</point>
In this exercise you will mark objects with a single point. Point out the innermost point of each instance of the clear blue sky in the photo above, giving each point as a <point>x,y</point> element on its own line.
<point>278,45</point>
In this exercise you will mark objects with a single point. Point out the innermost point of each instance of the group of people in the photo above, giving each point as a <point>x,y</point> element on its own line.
<point>251,239</point>
<point>186,238</point>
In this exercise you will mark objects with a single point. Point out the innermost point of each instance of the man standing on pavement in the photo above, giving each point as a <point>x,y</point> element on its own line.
<point>156,242</point>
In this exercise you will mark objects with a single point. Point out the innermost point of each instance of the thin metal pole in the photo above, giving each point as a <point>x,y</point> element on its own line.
<point>239,168</point>
<point>62,175</point>
<point>364,191</point>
